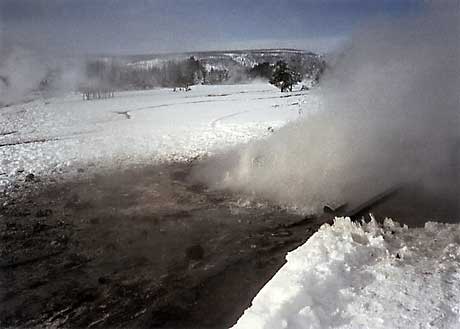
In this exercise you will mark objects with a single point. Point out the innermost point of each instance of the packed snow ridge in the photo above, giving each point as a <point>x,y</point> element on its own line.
<point>351,275</point>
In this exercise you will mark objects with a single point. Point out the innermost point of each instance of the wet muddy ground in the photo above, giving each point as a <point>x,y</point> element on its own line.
<point>137,248</point>
<point>146,248</point>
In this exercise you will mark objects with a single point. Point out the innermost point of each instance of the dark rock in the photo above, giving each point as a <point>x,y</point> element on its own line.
<point>195,252</point>
<point>103,280</point>
<point>64,239</point>
<point>43,213</point>
<point>30,178</point>
<point>11,226</point>
<point>21,212</point>
<point>38,227</point>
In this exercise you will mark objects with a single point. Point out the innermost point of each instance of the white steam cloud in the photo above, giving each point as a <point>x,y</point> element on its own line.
<point>20,72</point>
<point>22,69</point>
<point>390,114</point>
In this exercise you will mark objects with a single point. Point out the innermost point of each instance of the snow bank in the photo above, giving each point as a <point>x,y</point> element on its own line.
<point>352,275</point>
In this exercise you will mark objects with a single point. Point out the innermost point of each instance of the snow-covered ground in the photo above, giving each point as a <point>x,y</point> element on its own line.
<point>365,276</point>
<point>138,127</point>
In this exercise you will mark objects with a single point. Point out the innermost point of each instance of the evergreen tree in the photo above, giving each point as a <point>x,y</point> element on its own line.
<point>283,77</point>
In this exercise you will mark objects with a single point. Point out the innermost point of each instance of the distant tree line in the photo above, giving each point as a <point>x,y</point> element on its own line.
<point>113,74</point>
<point>100,77</point>
<point>110,74</point>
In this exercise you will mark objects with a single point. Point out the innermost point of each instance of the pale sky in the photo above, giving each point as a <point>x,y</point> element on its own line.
<point>153,26</point>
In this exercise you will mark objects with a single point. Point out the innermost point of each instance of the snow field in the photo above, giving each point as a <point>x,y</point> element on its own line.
<point>138,127</point>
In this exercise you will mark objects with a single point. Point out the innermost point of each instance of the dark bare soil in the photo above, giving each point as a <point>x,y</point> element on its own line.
<point>136,248</point>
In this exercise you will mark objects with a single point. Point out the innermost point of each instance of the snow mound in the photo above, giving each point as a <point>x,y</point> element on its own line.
<point>351,275</point>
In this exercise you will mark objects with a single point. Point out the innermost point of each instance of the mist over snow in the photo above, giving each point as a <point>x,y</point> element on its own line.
<point>23,69</point>
<point>20,72</point>
<point>389,114</point>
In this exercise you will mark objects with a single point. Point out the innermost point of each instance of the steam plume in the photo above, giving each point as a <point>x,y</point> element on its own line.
<point>390,114</point>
